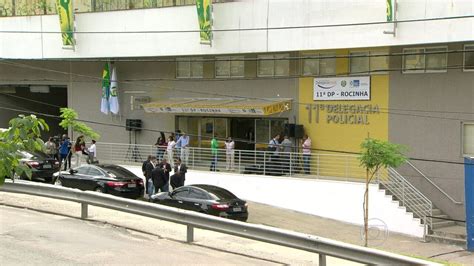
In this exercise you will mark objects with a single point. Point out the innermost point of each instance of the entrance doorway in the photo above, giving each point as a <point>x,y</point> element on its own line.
<point>248,133</point>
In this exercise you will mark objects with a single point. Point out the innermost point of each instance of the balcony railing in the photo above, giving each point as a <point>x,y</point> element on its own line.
<point>46,7</point>
<point>319,165</point>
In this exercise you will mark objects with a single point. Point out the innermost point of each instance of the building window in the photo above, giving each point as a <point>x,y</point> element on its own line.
<point>359,63</point>
<point>273,65</point>
<point>469,57</point>
<point>468,139</point>
<point>189,67</point>
<point>319,65</point>
<point>230,66</point>
<point>368,62</point>
<point>425,60</point>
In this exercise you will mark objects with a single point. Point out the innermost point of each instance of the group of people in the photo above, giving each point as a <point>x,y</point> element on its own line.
<point>157,175</point>
<point>166,147</point>
<point>280,154</point>
<point>63,150</point>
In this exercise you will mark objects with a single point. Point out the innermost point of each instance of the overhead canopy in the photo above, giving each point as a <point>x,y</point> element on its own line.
<point>223,106</point>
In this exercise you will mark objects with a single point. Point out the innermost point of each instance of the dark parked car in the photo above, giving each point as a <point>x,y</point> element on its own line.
<point>105,178</point>
<point>42,166</point>
<point>205,199</point>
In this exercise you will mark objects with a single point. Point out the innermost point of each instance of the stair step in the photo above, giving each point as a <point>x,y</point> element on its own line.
<point>436,225</point>
<point>435,220</point>
<point>456,231</point>
<point>436,212</point>
<point>446,240</point>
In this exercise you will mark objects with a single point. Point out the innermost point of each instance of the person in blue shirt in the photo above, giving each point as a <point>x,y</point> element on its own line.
<point>183,142</point>
<point>65,151</point>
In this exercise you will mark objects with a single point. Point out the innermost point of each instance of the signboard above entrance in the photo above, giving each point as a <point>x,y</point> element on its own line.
<point>345,88</point>
<point>226,106</point>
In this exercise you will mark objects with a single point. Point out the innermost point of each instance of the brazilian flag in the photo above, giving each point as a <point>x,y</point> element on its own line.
<point>389,11</point>
<point>66,21</point>
<point>104,104</point>
<point>204,11</point>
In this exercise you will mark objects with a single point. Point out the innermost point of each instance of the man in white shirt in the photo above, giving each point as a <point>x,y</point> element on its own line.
<point>183,143</point>
<point>92,153</point>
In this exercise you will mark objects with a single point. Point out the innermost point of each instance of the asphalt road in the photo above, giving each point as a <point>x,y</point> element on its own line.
<point>29,237</point>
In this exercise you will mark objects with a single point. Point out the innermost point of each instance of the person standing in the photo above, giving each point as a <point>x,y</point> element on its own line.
<point>65,152</point>
<point>180,170</point>
<point>50,147</point>
<point>274,149</point>
<point>306,154</point>
<point>150,165</point>
<point>149,168</point>
<point>79,148</point>
<point>92,157</point>
<point>229,154</point>
<point>166,176</point>
<point>177,145</point>
<point>169,149</point>
<point>160,146</point>
<point>183,142</point>
<point>286,148</point>
<point>214,151</point>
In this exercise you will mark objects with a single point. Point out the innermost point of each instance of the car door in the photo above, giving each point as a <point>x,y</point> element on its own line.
<point>177,198</point>
<point>71,179</point>
<point>94,177</point>
<point>195,199</point>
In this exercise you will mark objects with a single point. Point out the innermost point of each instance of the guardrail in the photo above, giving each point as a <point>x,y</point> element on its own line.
<point>324,247</point>
<point>334,165</point>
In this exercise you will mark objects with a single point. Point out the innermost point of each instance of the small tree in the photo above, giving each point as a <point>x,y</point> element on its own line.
<point>69,121</point>
<point>377,154</point>
<point>24,134</point>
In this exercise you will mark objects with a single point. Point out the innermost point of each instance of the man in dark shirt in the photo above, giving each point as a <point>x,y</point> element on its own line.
<point>166,175</point>
<point>180,169</point>
<point>149,165</point>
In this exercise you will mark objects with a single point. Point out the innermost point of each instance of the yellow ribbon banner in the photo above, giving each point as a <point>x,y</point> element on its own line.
<point>66,21</point>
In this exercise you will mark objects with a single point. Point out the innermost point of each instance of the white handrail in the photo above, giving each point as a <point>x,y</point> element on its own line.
<point>434,184</point>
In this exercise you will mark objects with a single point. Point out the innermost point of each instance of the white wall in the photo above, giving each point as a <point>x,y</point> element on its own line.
<point>336,200</point>
<point>242,14</point>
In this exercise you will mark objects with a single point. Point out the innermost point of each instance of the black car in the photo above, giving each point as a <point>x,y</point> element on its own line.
<point>205,199</point>
<point>105,178</point>
<point>42,166</point>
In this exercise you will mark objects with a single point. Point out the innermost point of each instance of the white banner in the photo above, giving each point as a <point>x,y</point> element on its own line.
<point>346,88</point>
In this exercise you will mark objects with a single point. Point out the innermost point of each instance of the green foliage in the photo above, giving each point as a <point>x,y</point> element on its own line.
<point>69,120</point>
<point>24,134</point>
<point>378,154</point>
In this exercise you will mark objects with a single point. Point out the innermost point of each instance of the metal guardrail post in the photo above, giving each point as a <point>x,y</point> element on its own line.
<point>84,210</point>
<point>189,233</point>
<point>240,160</point>
<point>322,260</point>
<point>264,162</point>
<point>291,162</point>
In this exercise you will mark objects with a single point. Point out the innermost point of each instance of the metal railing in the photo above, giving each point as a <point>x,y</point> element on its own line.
<point>434,184</point>
<point>333,165</point>
<point>408,195</point>
<point>324,247</point>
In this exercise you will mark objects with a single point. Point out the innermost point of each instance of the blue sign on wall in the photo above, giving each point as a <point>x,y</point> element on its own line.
<point>469,201</point>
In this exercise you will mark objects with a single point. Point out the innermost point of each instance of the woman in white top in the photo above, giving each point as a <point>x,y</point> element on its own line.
<point>169,150</point>
<point>229,153</point>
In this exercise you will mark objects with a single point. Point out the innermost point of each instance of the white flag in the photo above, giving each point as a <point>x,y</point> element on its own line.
<point>113,100</point>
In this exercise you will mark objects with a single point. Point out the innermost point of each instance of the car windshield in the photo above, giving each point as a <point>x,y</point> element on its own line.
<point>118,171</point>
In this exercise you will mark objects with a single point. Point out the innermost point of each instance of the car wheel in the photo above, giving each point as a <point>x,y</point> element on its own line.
<point>98,189</point>
<point>58,182</point>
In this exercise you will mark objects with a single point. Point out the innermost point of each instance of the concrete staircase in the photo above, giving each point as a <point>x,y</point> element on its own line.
<point>442,230</point>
